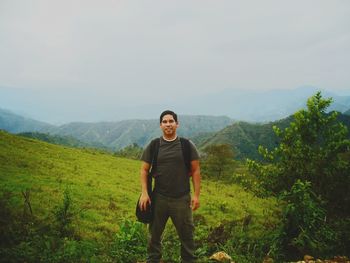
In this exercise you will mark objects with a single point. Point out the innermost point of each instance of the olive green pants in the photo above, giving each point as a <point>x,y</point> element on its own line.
<point>178,209</point>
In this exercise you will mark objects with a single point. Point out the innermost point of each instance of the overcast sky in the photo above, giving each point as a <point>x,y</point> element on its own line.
<point>126,51</point>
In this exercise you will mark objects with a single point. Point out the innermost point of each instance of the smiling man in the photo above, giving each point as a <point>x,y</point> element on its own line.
<point>173,162</point>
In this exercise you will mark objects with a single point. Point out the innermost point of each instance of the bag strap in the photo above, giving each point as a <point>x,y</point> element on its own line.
<point>186,152</point>
<point>154,148</point>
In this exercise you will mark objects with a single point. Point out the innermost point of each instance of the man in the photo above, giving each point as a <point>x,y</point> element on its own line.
<point>171,196</point>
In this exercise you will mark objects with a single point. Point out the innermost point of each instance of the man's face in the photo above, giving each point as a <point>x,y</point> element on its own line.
<point>168,125</point>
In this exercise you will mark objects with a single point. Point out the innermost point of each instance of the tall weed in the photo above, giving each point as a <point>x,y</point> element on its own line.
<point>130,242</point>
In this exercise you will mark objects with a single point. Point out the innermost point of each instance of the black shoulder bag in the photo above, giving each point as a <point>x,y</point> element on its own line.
<point>146,216</point>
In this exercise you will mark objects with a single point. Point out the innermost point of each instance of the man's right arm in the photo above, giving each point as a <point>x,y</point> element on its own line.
<point>144,199</point>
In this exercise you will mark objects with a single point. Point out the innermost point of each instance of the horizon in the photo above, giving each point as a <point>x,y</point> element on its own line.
<point>155,116</point>
<point>85,60</point>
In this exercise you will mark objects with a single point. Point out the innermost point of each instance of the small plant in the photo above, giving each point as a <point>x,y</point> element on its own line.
<point>130,242</point>
<point>64,215</point>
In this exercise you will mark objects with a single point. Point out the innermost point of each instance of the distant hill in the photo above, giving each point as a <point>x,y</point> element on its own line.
<point>238,104</point>
<point>15,123</point>
<point>111,135</point>
<point>245,138</point>
<point>347,112</point>
<point>260,106</point>
<point>116,135</point>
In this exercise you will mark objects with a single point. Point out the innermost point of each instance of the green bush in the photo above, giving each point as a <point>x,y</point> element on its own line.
<point>130,242</point>
<point>304,229</point>
<point>313,148</point>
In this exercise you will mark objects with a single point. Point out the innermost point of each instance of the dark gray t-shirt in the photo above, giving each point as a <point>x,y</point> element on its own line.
<point>171,176</point>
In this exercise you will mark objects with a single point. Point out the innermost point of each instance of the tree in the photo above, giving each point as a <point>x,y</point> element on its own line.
<point>311,149</point>
<point>218,160</point>
<point>310,171</point>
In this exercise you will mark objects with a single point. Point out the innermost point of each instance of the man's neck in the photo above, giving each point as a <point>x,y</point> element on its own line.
<point>172,138</point>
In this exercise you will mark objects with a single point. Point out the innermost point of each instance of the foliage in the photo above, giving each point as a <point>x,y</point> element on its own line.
<point>64,215</point>
<point>234,237</point>
<point>303,229</point>
<point>170,244</point>
<point>310,171</point>
<point>218,161</point>
<point>130,242</point>
<point>248,181</point>
<point>29,239</point>
<point>310,150</point>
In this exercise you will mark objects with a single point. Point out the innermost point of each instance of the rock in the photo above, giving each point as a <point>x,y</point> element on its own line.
<point>340,259</point>
<point>308,258</point>
<point>221,257</point>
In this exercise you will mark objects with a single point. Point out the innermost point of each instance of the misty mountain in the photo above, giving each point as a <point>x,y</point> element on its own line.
<point>15,123</point>
<point>237,104</point>
<point>116,135</point>
<point>261,106</point>
<point>111,135</point>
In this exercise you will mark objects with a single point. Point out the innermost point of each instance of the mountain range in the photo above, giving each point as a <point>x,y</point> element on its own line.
<point>112,135</point>
<point>243,137</point>
<point>262,106</point>
<point>237,104</point>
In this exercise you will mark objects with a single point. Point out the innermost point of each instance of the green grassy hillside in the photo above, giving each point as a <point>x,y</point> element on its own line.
<point>60,140</point>
<point>104,189</point>
<point>95,180</point>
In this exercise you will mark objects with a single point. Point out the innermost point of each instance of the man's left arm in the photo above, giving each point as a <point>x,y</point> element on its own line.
<point>196,181</point>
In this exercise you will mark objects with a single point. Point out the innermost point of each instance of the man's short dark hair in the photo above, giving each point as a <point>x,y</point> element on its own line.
<point>167,112</point>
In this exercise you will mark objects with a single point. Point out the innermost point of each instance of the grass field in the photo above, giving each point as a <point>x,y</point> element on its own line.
<point>104,189</point>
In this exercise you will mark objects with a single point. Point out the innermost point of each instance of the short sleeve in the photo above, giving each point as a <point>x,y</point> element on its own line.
<point>194,152</point>
<point>146,155</point>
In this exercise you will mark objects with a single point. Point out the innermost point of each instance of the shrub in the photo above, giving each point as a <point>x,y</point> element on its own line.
<point>130,242</point>
<point>304,229</point>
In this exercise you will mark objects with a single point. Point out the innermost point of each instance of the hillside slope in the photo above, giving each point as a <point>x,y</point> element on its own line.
<point>245,138</point>
<point>95,179</point>
<point>55,139</point>
<point>103,187</point>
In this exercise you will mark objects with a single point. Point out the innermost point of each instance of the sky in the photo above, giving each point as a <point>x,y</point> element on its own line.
<point>65,60</point>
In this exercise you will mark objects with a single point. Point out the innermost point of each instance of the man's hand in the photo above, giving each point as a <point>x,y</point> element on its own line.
<point>144,201</point>
<point>194,203</point>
